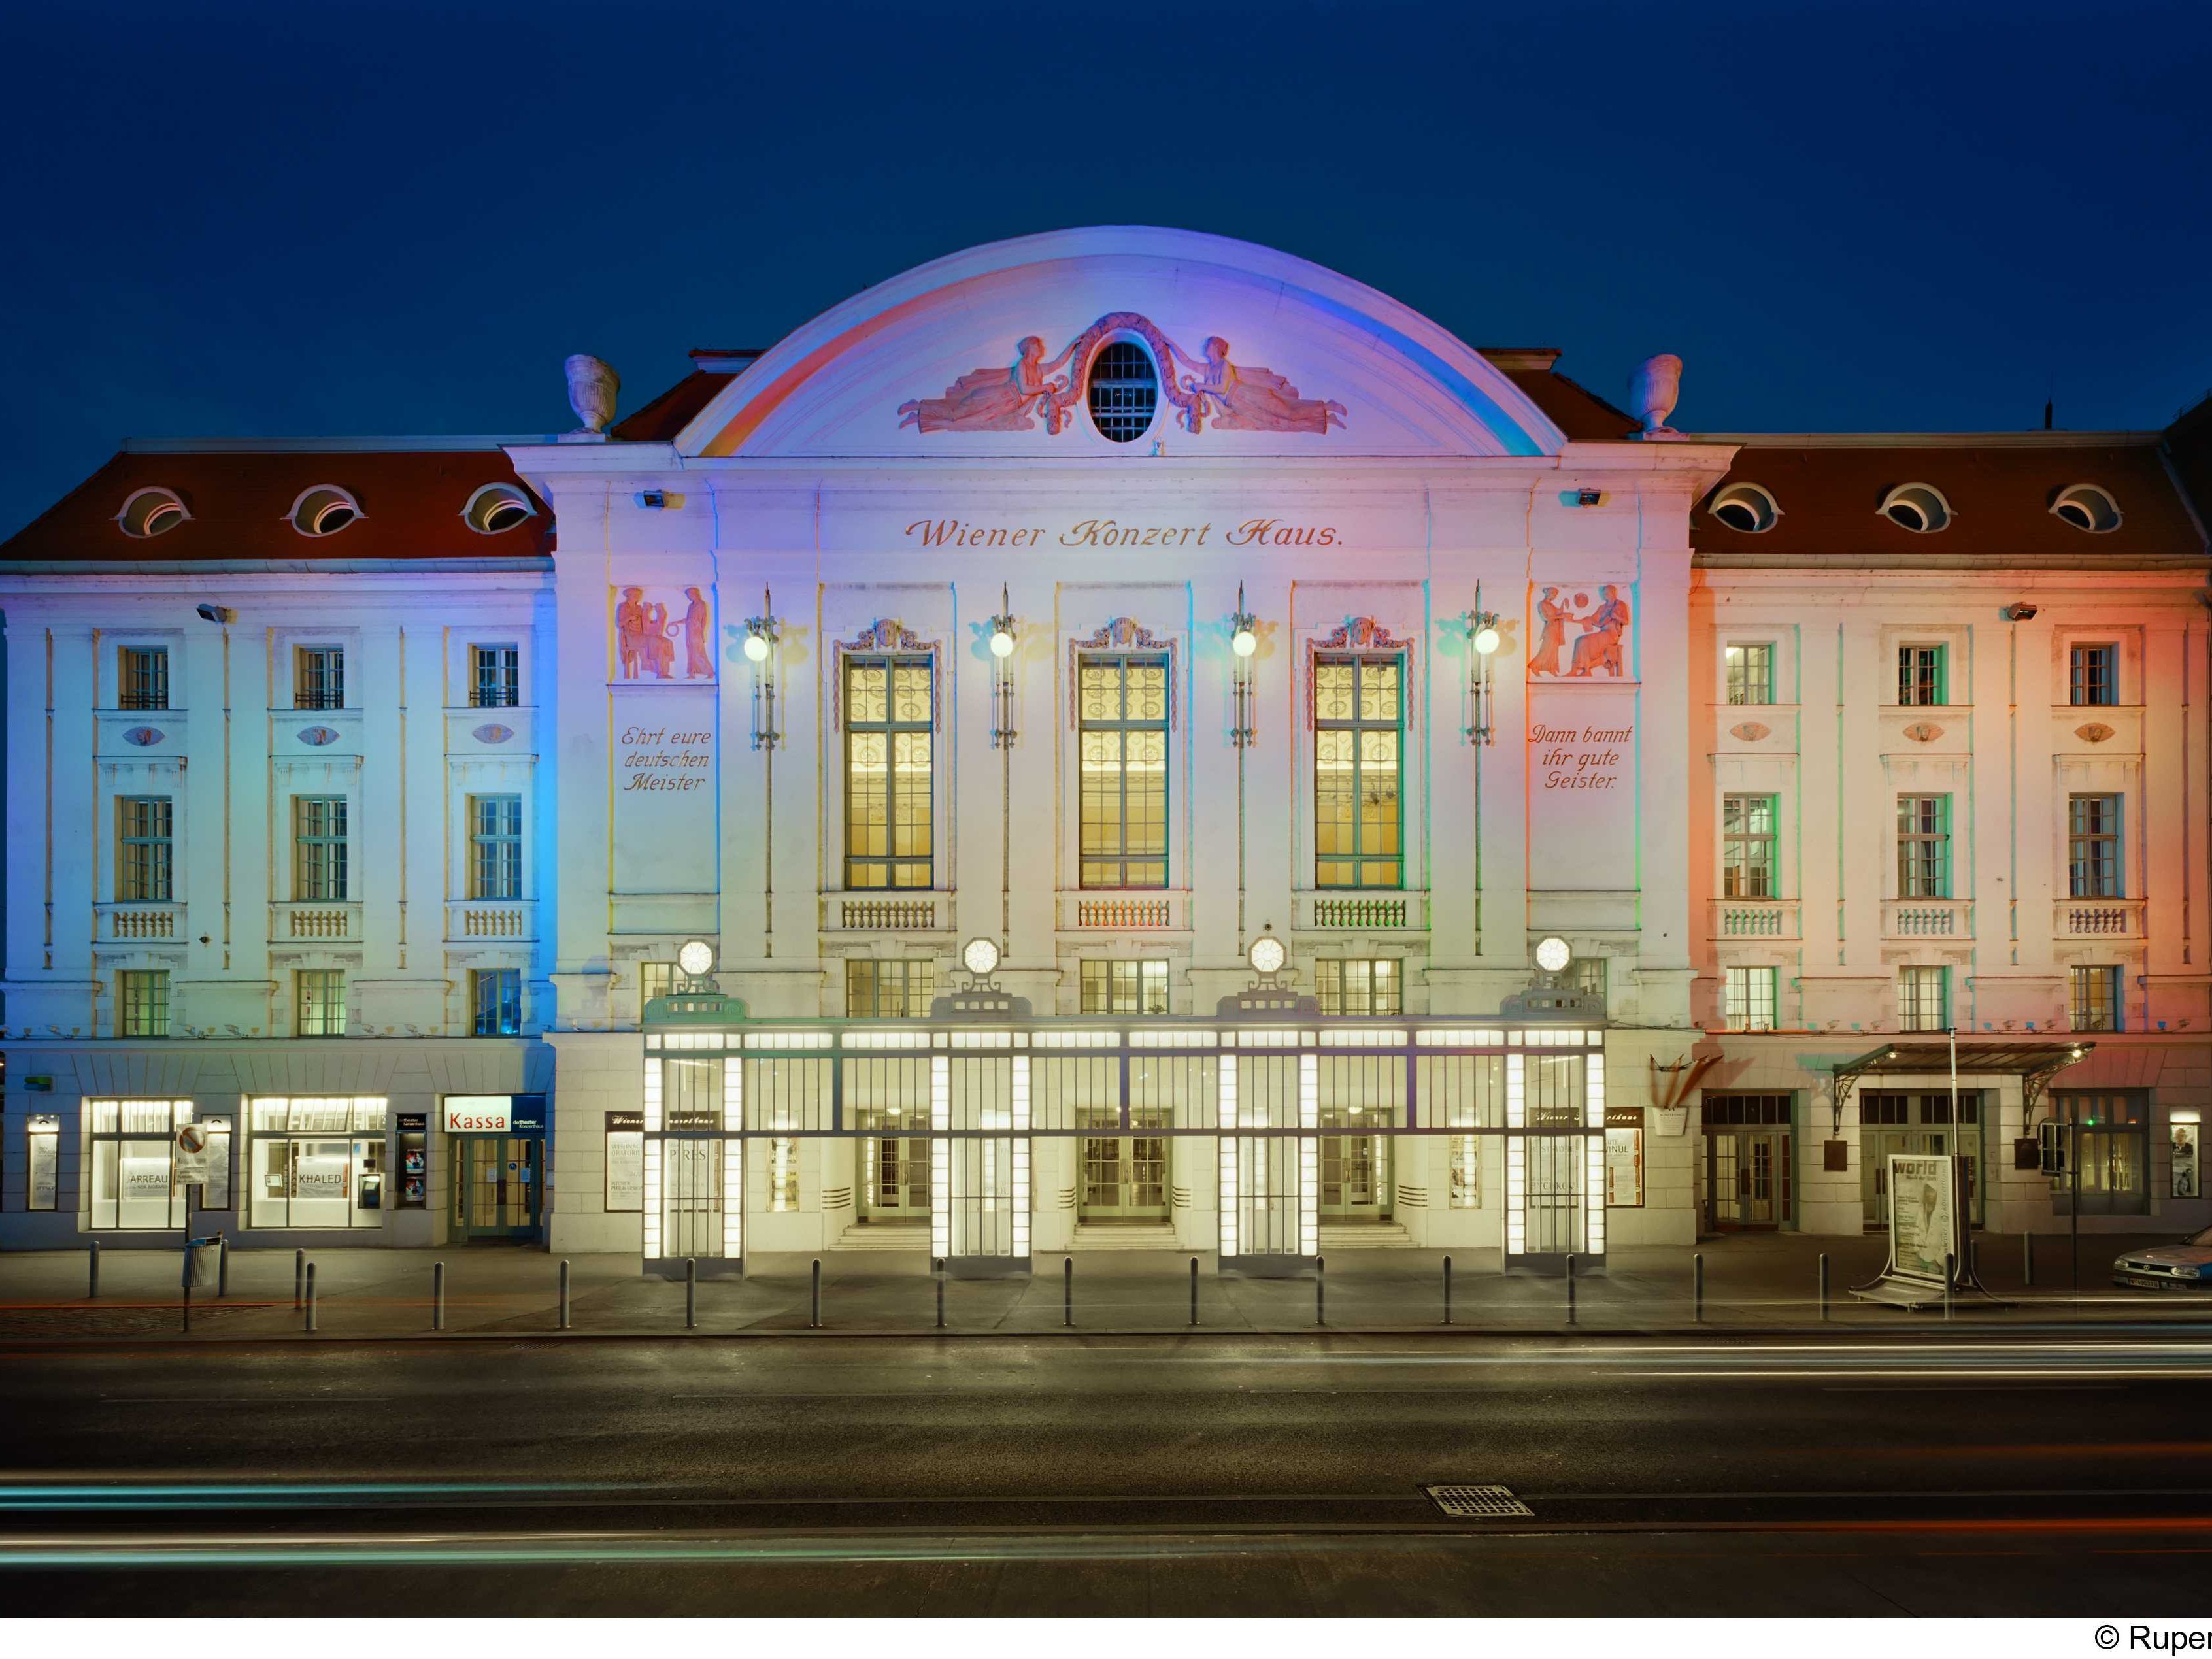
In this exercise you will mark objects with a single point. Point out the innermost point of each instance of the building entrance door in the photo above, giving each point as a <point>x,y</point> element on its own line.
<point>894,1181</point>
<point>1916,1125</point>
<point>1125,1178</point>
<point>1355,1178</point>
<point>498,1185</point>
<point>1747,1177</point>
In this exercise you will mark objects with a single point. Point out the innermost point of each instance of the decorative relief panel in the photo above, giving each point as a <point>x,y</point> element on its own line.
<point>1749,731</point>
<point>1234,398</point>
<point>1924,732</point>
<point>316,737</point>
<point>492,732</point>
<point>1359,634</point>
<point>663,635</point>
<point>2095,731</point>
<point>143,737</point>
<point>1581,633</point>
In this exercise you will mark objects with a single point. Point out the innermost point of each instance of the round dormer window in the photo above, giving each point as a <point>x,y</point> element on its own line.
<point>497,507</point>
<point>1124,392</point>
<point>1745,507</point>
<point>2087,507</point>
<point>149,512</point>
<point>1918,507</point>
<point>323,511</point>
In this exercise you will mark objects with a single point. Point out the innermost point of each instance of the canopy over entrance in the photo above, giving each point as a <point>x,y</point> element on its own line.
<point>2034,1063</point>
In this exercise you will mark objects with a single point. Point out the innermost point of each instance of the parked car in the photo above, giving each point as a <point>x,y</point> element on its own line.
<point>2186,1266</point>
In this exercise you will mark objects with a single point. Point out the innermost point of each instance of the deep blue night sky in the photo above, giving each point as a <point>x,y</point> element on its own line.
<point>343,218</point>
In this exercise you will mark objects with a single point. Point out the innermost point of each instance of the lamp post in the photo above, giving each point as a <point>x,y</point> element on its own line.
<point>1483,639</point>
<point>762,634</point>
<point>1002,643</point>
<point>1243,642</point>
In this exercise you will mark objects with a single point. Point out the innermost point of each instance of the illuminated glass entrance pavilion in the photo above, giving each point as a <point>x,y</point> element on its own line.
<point>1255,1093</point>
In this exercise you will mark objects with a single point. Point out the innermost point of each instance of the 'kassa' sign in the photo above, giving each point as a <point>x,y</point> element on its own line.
<point>478,1114</point>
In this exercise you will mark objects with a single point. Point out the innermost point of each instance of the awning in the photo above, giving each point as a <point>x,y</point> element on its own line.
<point>2034,1063</point>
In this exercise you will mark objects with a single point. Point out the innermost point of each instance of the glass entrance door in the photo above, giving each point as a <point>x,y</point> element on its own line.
<point>1747,1178</point>
<point>1125,1178</point>
<point>1917,1124</point>
<point>1355,1178</point>
<point>498,1185</point>
<point>894,1180</point>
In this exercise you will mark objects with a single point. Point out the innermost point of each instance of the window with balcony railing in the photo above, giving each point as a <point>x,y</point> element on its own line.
<point>2093,847</point>
<point>145,862</point>
<point>494,676</point>
<point>1121,712</point>
<point>1923,846</point>
<point>1747,846</point>
<point>142,677</point>
<point>319,676</point>
<point>1358,740</point>
<point>889,772</point>
<point>319,848</point>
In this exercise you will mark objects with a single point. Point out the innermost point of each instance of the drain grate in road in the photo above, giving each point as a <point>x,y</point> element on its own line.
<point>1479,1502</point>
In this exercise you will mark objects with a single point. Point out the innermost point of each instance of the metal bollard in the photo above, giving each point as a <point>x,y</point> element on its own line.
<point>814,1310</point>
<point>1823,1286</point>
<point>1697,1288</point>
<point>1067,1290</point>
<point>221,1265</point>
<point>437,1296</point>
<point>1571,1287</point>
<point>691,1292</point>
<point>2026,1260</point>
<point>299,1279</point>
<point>939,1270</point>
<point>564,1295</point>
<point>1194,1290</point>
<point>1447,1289</point>
<point>1950,1272</point>
<point>307,1297</point>
<point>1320,1290</point>
<point>189,1248</point>
<point>92,1282</point>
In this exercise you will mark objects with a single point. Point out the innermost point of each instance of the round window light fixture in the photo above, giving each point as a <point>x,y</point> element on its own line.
<point>980,956</point>
<point>151,510</point>
<point>1552,954</point>
<point>1918,507</point>
<point>1749,507</point>
<point>1266,955</point>
<point>1124,392</point>
<point>695,957</point>
<point>323,511</point>
<point>497,507</point>
<point>2087,507</point>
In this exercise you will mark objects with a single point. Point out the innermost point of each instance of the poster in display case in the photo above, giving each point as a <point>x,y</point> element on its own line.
<point>414,1133</point>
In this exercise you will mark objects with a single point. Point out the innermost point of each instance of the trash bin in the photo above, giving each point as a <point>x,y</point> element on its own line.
<point>202,1263</point>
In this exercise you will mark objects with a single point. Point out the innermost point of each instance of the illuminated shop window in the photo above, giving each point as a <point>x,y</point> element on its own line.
<point>129,1145</point>
<point>2112,1142</point>
<point>315,1163</point>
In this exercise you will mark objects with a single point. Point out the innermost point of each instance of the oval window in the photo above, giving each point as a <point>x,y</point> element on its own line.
<point>1125,391</point>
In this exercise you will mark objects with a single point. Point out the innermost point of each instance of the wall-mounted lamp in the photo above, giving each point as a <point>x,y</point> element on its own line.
<point>217,613</point>
<point>1243,640</point>
<point>762,634</point>
<point>1483,639</point>
<point>1002,676</point>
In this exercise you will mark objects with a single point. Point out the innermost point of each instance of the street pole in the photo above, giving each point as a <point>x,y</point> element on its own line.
<point>1447,1289</point>
<point>2073,1178</point>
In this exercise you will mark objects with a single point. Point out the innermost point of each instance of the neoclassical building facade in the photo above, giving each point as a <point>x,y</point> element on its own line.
<point>1120,738</point>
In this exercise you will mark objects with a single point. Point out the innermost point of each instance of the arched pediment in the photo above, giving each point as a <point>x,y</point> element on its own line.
<point>983,353</point>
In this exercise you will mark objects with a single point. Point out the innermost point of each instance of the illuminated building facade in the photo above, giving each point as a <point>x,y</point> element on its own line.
<point>1120,738</point>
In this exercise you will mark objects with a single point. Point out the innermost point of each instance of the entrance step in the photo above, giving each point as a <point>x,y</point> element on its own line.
<point>912,1241</point>
<point>1365,1235</point>
<point>1094,1237</point>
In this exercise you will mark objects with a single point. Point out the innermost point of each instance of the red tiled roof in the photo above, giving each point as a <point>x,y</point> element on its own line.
<point>411,505</point>
<point>661,420</point>
<point>1574,409</point>
<point>2000,496</point>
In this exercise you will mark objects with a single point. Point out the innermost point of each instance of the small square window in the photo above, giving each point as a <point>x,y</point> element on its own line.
<point>141,1003</point>
<point>319,676</point>
<point>2093,677</point>
<point>142,680</point>
<point>2094,997</point>
<point>494,676</point>
<point>1921,675</point>
<point>318,1001</point>
<point>496,999</point>
<point>1749,1000</point>
<point>1750,674</point>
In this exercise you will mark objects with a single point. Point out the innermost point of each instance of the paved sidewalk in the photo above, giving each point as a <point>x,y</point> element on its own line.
<point>1752,1283</point>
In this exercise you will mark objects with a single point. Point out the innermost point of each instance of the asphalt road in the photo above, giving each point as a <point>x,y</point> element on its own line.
<point>1132,1476</point>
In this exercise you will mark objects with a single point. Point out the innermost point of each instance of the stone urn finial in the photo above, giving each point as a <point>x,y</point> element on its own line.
<point>592,386</point>
<point>1653,391</point>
